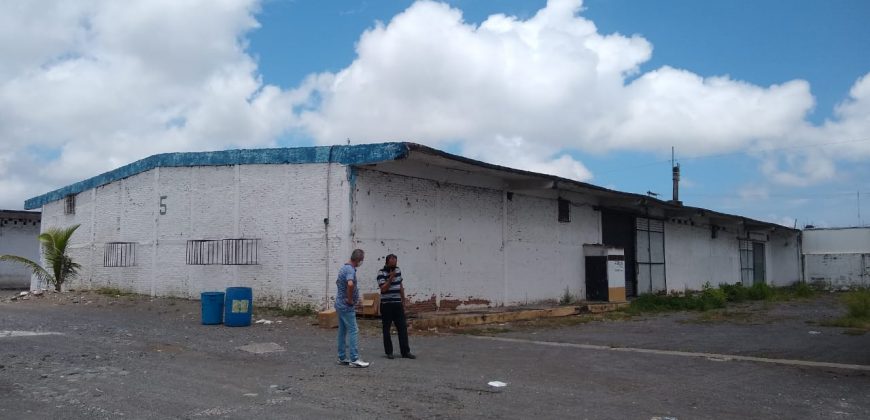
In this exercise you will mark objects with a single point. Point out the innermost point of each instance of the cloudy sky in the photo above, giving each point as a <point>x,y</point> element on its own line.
<point>766,103</point>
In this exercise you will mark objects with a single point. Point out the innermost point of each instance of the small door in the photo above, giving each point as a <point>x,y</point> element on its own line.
<point>865,260</point>
<point>757,262</point>
<point>596,278</point>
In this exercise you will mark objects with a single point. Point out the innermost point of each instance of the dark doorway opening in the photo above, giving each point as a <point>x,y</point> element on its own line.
<point>596,279</point>
<point>619,230</point>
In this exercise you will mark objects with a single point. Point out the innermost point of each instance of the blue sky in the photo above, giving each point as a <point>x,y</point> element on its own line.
<point>767,103</point>
<point>760,41</point>
<point>763,42</point>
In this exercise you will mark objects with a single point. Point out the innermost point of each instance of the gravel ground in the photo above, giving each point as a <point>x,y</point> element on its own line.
<point>141,358</point>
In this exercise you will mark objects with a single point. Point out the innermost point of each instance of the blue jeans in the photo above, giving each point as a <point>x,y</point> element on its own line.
<point>347,326</point>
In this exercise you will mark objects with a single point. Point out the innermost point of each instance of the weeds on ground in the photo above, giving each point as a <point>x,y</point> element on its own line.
<point>857,312</point>
<point>717,297</point>
<point>294,309</point>
<point>858,303</point>
<point>762,291</point>
<point>803,290</point>
<point>709,298</point>
<point>112,291</point>
<point>739,293</point>
<point>567,298</point>
<point>725,315</point>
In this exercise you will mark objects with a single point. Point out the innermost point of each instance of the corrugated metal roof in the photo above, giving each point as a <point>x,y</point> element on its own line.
<point>353,155</point>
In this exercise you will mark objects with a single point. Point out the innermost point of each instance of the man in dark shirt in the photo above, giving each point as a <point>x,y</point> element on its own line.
<point>393,307</point>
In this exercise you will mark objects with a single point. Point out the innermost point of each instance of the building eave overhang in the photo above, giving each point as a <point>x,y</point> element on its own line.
<point>370,154</point>
<point>631,202</point>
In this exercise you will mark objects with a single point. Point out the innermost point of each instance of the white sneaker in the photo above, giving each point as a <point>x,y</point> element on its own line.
<point>343,362</point>
<point>358,363</point>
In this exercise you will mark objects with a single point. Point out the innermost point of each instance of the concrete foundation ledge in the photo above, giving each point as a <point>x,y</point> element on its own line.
<point>437,320</point>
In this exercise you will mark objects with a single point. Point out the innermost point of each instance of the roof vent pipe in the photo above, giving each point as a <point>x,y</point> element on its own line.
<point>676,177</point>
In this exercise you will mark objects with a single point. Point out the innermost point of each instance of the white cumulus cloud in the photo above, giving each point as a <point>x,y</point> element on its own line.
<point>555,82</point>
<point>89,85</point>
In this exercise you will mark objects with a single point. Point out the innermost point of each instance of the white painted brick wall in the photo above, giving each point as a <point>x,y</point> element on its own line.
<point>839,269</point>
<point>693,257</point>
<point>545,257</point>
<point>452,244</point>
<point>784,267</point>
<point>455,243</point>
<point>282,205</point>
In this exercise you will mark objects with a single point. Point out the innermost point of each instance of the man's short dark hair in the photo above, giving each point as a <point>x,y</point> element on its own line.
<point>390,256</point>
<point>357,255</point>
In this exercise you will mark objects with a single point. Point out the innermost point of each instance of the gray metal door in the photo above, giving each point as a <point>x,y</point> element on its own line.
<point>757,262</point>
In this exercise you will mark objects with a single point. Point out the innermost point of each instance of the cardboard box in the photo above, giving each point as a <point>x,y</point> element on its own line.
<point>371,304</point>
<point>327,319</point>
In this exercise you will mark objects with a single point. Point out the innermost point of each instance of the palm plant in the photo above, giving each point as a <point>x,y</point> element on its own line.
<point>55,242</point>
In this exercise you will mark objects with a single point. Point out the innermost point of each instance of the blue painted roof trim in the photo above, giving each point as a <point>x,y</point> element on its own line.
<point>347,155</point>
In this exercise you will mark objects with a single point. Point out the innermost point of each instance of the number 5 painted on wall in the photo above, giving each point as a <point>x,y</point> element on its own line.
<point>162,205</point>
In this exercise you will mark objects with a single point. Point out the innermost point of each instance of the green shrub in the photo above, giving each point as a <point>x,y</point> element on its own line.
<point>735,292</point>
<point>858,303</point>
<point>803,290</point>
<point>567,298</point>
<point>761,291</point>
<point>711,298</point>
<point>656,303</point>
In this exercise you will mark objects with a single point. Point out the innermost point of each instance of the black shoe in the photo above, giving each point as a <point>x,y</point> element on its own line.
<point>409,356</point>
<point>390,356</point>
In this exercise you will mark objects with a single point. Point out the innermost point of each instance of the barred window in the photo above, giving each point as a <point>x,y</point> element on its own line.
<point>223,252</point>
<point>241,251</point>
<point>69,204</point>
<point>204,252</point>
<point>119,254</point>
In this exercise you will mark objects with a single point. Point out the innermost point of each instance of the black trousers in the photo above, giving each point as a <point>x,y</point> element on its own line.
<point>394,313</point>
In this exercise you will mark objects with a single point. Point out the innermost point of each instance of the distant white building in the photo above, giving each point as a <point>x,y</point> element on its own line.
<point>19,231</point>
<point>467,233</point>
<point>837,256</point>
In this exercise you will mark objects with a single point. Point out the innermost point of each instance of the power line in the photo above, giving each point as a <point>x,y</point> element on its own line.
<point>849,195</point>
<point>739,153</point>
<point>775,149</point>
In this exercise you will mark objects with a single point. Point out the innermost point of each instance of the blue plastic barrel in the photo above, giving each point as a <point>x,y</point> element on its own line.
<point>238,307</point>
<point>212,307</point>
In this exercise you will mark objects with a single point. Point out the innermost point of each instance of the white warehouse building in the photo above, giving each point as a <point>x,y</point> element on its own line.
<point>466,232</point>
